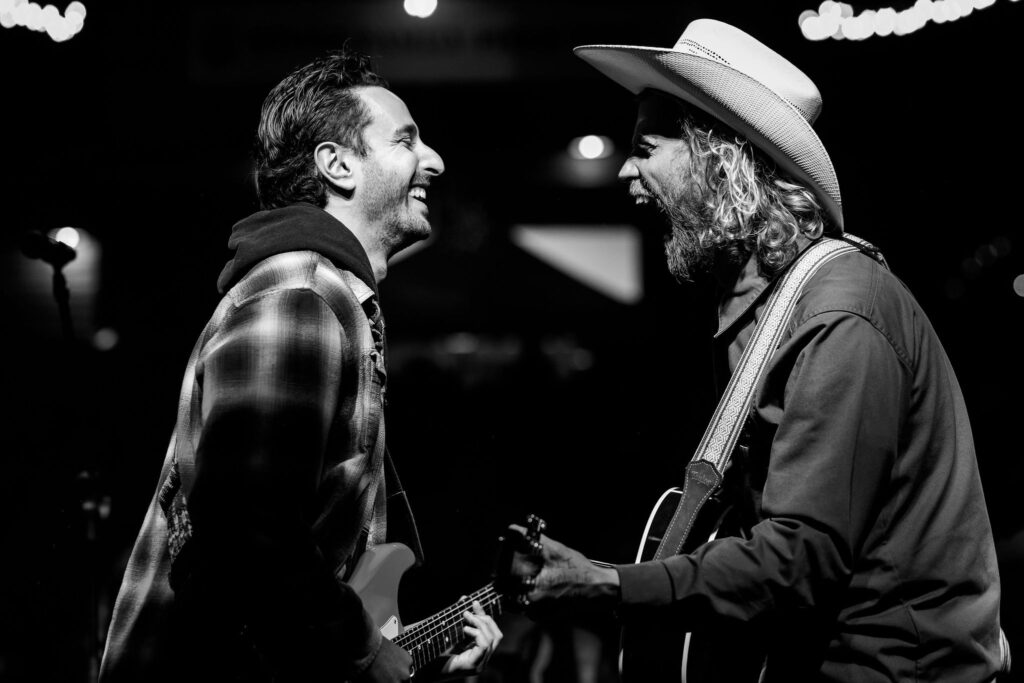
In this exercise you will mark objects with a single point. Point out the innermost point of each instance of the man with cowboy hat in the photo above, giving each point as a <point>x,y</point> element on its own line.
<point>859,545</point>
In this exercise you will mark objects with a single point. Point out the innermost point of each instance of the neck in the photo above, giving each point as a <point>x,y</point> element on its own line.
<point>727,269</point>
<point>366,234</point>
<point>429,639</point>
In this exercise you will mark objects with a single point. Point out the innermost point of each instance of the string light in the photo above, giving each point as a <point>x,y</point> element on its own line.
<point>839,21</point>
<point>48,19</point>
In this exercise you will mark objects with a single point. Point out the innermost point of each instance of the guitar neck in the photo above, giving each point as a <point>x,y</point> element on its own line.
<point>429,639</point>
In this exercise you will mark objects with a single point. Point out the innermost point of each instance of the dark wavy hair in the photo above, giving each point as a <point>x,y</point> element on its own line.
<point>752,207</point>
<point>315,103</point>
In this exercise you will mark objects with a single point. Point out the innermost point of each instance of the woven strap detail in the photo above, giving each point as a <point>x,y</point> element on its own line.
<point>705,470</point>
<point>721,434</point>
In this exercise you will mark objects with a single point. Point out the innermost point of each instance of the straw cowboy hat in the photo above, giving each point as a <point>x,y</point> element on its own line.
<point>741,82</point>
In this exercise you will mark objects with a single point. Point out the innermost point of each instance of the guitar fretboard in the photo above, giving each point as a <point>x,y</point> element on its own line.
<point>432,637</point>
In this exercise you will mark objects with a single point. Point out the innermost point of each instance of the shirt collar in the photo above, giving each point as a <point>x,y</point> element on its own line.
<point>361,290</point>
<point>744,293</point>
<point>749,288</point>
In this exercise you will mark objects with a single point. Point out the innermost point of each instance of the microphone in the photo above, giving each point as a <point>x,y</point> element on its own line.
<point>43,247</point>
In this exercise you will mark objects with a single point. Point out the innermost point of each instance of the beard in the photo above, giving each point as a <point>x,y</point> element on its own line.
<point>387,205</point>
<point>686,253</point>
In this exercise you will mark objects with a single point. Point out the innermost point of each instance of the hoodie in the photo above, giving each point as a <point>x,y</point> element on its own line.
<point>298,227</point>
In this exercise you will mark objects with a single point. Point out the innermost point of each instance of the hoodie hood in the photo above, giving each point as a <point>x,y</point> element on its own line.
<point>299,227</point>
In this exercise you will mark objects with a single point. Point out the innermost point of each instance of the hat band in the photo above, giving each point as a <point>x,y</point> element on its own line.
<point>693,48</point>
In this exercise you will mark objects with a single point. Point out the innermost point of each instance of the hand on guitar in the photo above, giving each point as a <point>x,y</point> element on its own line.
<point>556,580</point>
<point>486,636</point>
<point>394,664</point>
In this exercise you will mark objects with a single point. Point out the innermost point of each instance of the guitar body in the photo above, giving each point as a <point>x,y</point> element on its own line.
<point>375,579</point>
<point>656,650</point>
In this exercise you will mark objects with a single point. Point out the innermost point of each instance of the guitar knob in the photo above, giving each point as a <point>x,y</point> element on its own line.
<point>529,583</point>
<point>536,548</point>
<point>522,601</point>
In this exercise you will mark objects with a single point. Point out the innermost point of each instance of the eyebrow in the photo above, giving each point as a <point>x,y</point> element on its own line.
<point>409,129</point>
<point>645,139</point>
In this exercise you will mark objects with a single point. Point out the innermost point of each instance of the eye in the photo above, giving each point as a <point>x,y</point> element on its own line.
<point>642,149</point>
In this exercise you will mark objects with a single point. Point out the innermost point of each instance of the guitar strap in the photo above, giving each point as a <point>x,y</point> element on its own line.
<point>703,474</point>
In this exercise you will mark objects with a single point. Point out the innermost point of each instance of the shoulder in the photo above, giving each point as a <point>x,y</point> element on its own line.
<point>857,286</point>
<point>296,295</point>
<point>296,270</point>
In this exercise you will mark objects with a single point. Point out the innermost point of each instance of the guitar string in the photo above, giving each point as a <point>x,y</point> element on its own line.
<point>456,609</point>
<point>447,618</point>
<point>431,624</point>
<point>432,646</point>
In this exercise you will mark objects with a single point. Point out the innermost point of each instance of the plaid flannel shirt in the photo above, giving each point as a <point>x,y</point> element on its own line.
<point>273,476</point>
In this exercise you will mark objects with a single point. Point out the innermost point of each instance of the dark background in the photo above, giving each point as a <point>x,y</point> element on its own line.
<point>513,388</point>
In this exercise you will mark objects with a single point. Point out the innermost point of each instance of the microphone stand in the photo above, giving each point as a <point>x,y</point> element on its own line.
<point>39,246</point>
<point>63,296</point>
<point>57,254</point>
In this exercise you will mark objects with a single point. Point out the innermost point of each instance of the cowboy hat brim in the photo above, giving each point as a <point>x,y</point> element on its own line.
<point>771,123</point>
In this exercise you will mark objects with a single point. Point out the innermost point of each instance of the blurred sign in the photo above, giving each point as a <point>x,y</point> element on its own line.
<point>603,257</point>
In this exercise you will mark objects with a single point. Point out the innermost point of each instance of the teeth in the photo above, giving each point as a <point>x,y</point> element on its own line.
<point>418,193</point>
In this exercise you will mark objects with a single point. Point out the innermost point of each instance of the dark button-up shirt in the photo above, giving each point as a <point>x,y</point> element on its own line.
<point>874,558</point>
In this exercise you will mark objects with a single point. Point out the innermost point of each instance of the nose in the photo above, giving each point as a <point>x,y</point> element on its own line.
<point>431,162</point>
<point>628,171</point>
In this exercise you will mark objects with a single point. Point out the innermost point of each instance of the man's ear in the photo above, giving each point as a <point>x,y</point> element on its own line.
<point>338,165</point>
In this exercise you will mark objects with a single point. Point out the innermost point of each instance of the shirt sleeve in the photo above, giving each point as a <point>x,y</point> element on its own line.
<point>270,380</point>
<point>834,390</point>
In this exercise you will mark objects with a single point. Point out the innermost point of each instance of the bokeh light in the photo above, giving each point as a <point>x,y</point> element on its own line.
<point>48,19</point>
<point>420,8</point>
<point>68,236</point>
<point>591,147</point>
<point>839,20</point>
<point>105,339</point>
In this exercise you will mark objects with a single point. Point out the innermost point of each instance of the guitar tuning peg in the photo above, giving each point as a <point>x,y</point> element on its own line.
<point>535,525</point>
<point>536,548</point>
<point>522,601</point>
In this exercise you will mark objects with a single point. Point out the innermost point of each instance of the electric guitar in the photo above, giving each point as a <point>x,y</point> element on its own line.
<point>375,579</point>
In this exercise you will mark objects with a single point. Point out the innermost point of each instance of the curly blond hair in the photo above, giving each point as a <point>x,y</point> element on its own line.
<point>749,205</point>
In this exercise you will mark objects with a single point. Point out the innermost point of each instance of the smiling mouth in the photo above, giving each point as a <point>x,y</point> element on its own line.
<point>639,192</point>
<point>419,193</point>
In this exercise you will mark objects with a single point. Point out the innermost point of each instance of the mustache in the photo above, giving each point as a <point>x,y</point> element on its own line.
<point>638,188</point>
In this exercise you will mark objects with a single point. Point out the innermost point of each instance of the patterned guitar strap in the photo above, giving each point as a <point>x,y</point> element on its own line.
<point>703,474</point>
